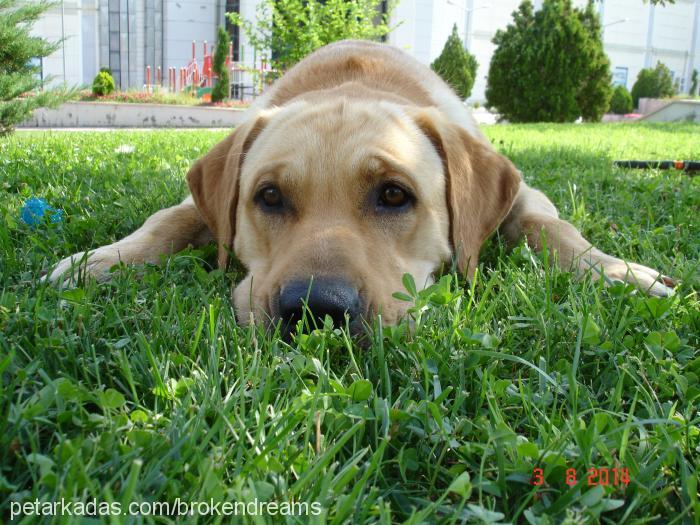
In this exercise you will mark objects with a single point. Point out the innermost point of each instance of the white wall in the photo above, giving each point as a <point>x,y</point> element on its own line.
<point>185,21</point>
<point>487,17</point>
<point>424,26</point>
<point>77,21</point>
<point>668,31</point>
<point>248,12</point>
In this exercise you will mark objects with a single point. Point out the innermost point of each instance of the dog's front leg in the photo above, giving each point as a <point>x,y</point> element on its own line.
<point>165,232</point>
<point>534,216</point>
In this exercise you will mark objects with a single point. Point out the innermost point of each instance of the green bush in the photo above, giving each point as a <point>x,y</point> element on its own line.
<point>550,65</point>
<point>220,89</point>
<point>621,101</point>
<point>103,84</point>
<point>653,83</point>
<point>456,65</point>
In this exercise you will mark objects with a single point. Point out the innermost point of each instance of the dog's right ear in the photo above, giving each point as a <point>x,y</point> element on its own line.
<point>213,182</point>
<point>481,185</point>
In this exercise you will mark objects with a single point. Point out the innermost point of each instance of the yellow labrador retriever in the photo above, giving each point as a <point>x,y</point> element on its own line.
<point>356,167</point>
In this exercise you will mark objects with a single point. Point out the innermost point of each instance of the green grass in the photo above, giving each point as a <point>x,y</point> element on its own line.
<point>146,389</point>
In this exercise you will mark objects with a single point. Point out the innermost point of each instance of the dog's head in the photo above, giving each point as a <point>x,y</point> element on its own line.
<point>329,205</point>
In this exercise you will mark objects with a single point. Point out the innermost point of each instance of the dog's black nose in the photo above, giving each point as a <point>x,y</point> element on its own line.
<point>323,296</point>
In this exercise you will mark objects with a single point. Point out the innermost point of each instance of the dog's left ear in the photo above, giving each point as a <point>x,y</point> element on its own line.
<point>213,183</point>
<point>481,185</point>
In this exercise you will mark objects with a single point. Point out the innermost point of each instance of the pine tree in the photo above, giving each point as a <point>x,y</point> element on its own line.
<point>20,92</point>
<point>549,65</point>
<point>456,65</point>
<point>220,90</point>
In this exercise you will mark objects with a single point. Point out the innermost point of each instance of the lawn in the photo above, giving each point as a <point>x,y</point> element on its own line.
<point>146,390</point>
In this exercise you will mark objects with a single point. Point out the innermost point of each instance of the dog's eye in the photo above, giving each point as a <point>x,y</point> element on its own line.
<point>392,196</point>
<point>270,196</point>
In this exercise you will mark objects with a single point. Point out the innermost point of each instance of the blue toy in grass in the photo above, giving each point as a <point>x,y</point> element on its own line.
<point>35,209</point>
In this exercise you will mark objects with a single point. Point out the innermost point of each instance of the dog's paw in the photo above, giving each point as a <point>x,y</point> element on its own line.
<point>643,277</point>
<point>95,264</point>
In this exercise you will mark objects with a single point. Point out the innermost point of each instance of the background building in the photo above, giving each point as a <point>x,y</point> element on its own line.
<point>636,34</point>
<point>127,35</point>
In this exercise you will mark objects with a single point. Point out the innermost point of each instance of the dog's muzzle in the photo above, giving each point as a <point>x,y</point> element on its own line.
<point>319,297</point>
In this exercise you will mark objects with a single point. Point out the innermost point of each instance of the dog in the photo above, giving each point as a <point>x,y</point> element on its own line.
<point>357,166</point>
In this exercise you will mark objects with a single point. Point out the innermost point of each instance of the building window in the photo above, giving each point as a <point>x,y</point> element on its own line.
<point>619,76</point>
<point>234,6</point>
<point>678,82</point>
<point>114,41</point>
<point>37,64</point>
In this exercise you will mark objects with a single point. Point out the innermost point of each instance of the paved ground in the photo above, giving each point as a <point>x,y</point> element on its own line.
<point>484,116</point>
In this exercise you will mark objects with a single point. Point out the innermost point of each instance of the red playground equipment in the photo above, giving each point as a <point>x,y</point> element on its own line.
<point>198,79</point>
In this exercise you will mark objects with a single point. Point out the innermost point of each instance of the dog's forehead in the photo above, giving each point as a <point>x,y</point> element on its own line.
<point>342,138</point>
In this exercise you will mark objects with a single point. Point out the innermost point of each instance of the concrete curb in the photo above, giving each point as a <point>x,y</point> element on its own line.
<point>120,115</point>
<point>676,111</point>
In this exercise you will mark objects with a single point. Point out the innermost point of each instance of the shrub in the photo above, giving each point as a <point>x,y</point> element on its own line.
<point>292,29</point>
<point>621,101</point>
<point>456,65</point>
<point>220,90</point>
<point>21,88</point>
<point>550,65</point>
<point>103,84</point>
<point>653,83</point>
